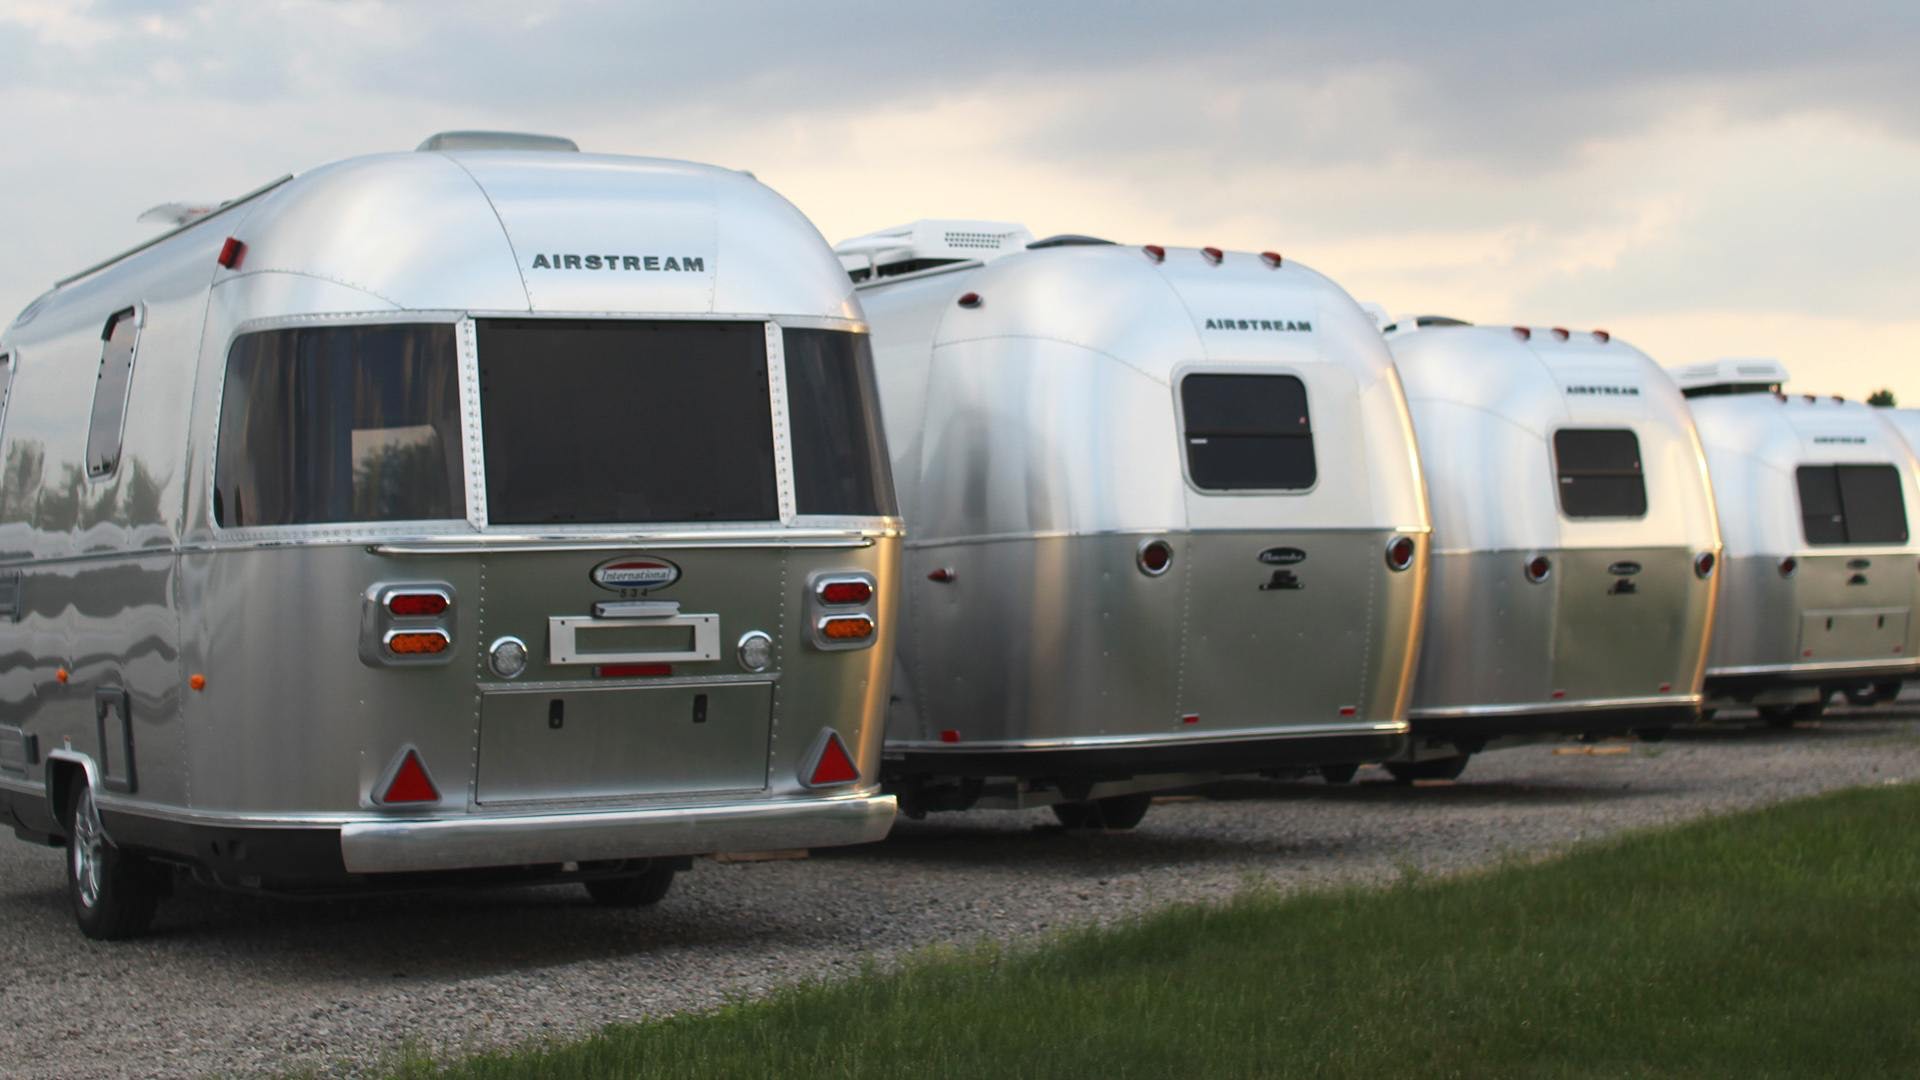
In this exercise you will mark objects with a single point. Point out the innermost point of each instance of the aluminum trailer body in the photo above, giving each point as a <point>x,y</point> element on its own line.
<point>1166,515</point>
<point>1820,581</point>
<point>1573,576</point>
<point>463,510</point>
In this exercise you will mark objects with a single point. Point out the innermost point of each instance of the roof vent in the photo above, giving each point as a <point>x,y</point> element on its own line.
<point>1418,322</point>
<point>1733,375</point>
<point>1069,240</point>
<point>928,243</point>
<point>497,140</point>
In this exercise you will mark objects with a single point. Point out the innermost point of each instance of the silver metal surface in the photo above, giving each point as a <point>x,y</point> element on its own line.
<point>1501,641</point>
<point>130,584</point>
<point>1037,445</point>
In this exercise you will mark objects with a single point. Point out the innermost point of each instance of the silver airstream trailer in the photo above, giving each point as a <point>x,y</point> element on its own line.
<point>1820,582</point>
<point>1166,518</point>
<point>1572,581</point>
<point>483,513</point>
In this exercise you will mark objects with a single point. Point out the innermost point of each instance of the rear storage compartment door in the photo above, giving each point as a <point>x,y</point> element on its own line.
<point>1853,634</point>
<point>1621,629</point>
<point>623,742</point>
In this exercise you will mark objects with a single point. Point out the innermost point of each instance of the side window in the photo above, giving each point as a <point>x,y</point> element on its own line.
<point>1852,504</point>
<point>1248,433</point>
<point>340,423</point>
<point>110,390</point>
<point>1599,473</point>
<point>840,463</point>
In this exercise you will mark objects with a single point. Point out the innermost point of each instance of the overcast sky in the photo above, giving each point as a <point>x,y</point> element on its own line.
<point>1703,180</point>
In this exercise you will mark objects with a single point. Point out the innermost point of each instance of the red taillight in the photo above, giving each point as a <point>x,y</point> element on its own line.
<point>1788,565</point>
<point>231,253</point>
<point>633,671</point>
<point>1522,333</point>
<point>1271,258</point>
<point>410,783</point>
<point>417,605</point>
<point>1400,553</point>
<point>846,592</point>
<point>417,642</point>
<point>833,765</point>
<point>1155,252</point>
<point>846,628</point>
<point>1538,568</point>
<point>1213,255</point>
<point>1703,564</point>
<point>1154,557</point>
<point>970,300</point>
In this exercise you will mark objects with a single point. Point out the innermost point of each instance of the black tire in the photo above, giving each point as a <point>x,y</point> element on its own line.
<point>644,889</point>
<point>114,893</point>
<point>1861,697</point>
<point>1338,774</point>
<point>1115,812</point>
<point>1884,692</point>
<point>1782,717</point>
<point>1446,768</point>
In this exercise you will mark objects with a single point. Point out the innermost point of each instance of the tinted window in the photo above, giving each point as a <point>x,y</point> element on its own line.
<point>602,421</point>
<point>840,461</point>
<point>1599,473</point>
<point>342,423</point>
<point>110,393</point>
<point>1248,432</point>
<point>1852,504</point>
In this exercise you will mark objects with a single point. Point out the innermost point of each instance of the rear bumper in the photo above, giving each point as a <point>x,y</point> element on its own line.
<point>1118,758</point>
<point>433,844</point>
<point>1602,717</point>
<point>1743,683</point>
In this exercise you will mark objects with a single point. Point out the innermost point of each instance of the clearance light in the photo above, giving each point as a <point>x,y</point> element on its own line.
<point>633,671</point>
<point>1522,333</point>
<point>1788,565</point>
<point>845,592</point>
<point>1703,564</point>
<point>1400,553</point>
<point>945,575</point>
<point>1560,334</point>
<point>1539,568</point>
<point>970,300</point>
<point>417,642</point>
<point>410,783</point>
<point>1271,258</point>
<point>417,605</point>
<point>846,628</point>
<point>1213,255</point>
<point>231,253</point>
<point>1155,252</point>
<point>197,681</point>
<point>1154,557</point>
<point>1602,336</point>
<point>832,765</point>
<point>950,735</point>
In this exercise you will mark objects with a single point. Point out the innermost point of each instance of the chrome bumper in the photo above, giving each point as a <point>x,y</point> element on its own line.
<point>474,842</point>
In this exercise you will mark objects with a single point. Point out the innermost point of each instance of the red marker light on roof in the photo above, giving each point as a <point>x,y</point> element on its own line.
<point>1271,258</point>
<point>417,605</point>
<point>832,765</point>
<point>1522,333</point>
<point>410,783</point>
<point>970,300</point>
<point>1560,334</point>
<point>1155,252</point>
<point>1602,336</point>
<point>231,253</point>
<point>1213,255</point>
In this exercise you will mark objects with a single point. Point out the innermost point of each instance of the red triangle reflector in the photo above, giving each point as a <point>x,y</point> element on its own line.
<point>411,784</point>
<point>835,765</point>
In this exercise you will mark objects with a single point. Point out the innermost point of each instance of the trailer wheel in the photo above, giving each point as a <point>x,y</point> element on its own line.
<point>1862,696</point>
<point>1781,717</point>
<point>114,892</point>
<point>1446,768</point>
<point>1885,691</point>
<point>644,889</point>
<point>1114,812</point>
<point>1339,774</point>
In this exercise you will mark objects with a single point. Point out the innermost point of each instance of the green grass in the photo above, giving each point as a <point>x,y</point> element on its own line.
<point>1779,943</point>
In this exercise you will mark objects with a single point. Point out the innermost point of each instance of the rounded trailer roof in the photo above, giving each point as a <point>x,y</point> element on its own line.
<point>1486,403</point>
<point>512,230</point>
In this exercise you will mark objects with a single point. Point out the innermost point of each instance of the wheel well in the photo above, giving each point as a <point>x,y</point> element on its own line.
<point>61,778</point>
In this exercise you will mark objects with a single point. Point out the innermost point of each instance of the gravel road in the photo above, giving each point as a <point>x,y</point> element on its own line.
<point>233,986</point>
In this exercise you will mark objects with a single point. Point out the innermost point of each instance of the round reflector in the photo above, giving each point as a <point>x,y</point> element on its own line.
<point>1703,564</point>
<point>755,650</point>
<point>1788,565</point>
<point>1154,557</point>
<point>1400,553</point>
<point>1538,568</point>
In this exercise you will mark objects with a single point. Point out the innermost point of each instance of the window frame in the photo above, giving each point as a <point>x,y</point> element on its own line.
<point>473,450</point>
<point>137,312</point>
<point>1840,494</point>
<point>1178,384</point>
<point>1559,488</point>
<point>10,358</point>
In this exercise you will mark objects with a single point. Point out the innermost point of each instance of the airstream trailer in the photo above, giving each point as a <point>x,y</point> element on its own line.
<point>491,512</point>
<point>1572,578</point>
<point>1166,518</point>
<point>1819,585</point>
